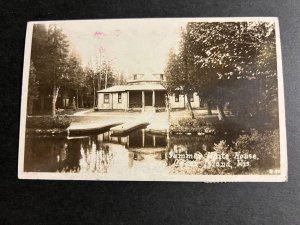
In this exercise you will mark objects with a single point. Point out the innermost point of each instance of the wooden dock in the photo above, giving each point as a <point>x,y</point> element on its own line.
<point>90,127</point>
<point>127,127</point>
<point>158,127</point>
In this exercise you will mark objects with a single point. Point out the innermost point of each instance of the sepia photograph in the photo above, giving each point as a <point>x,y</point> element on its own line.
<point>174,99</point>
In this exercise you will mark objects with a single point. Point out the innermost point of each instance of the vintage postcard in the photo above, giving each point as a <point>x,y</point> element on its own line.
<point>174,99</point>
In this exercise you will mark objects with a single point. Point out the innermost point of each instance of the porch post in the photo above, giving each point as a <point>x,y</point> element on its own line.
<point>143,101</point>
<point>127,100</point>
<point>153,100</point>
<point>112,101</point>
<point>143,138</point>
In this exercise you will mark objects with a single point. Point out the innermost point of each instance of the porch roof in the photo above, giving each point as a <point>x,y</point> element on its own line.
<point>134,87</point>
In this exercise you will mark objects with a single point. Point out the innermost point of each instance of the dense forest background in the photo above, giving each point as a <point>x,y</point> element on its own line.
<point>57,78</point>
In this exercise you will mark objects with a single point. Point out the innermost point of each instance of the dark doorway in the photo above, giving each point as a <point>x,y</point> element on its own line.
<point>160,99</point>
<point>148,98</point>
<point>135,99</point>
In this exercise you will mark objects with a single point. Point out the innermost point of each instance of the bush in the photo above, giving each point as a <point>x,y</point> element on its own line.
<point>265,145</point>
<point>67,111</point>
<point>227,126</point>
<point>189,125</point>
<point>188,122</point>
<point>254,153</point>
<point>48,122</point>
<point>204,124</point>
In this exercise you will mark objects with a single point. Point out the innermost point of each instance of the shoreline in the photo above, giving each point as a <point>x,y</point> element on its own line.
<point>54,131</point>
<point>60,131</point>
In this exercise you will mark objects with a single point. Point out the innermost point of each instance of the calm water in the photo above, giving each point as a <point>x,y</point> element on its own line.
<point>104,153</point>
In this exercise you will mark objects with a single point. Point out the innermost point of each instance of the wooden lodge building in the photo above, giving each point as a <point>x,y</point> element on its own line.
<point>142,93</point>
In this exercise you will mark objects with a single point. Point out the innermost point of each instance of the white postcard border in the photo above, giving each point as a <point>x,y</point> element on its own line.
<point>143,177</point>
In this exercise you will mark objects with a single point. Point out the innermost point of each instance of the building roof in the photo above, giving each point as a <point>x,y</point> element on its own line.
<point>146,78</point>
<point>133,87</point>
<point>117,88</point>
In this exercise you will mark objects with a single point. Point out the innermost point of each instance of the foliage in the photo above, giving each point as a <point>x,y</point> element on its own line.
<point>49,55</point>
<point>33,90</point>
<point>254,153</point>
<point>105,76</point>
<point>189,125</point>
<point>229,126</point>
<point>56,71</point>
<point>182,129</point>
<point>218,60</point>
<point>188,122</point>
<point>265,145</point>
<point>102,77</point>
<point>174,75</point>
<point>48,122</point>
<point>88,89</point>
<point>57,58</point>
<point>74,77</point>
<point>207,125</point>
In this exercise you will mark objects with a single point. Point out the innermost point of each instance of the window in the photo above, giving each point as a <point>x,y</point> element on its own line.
<point>106,98</point>
<point>135,77</point>
<point>176,97</point>
<point>119,97</point>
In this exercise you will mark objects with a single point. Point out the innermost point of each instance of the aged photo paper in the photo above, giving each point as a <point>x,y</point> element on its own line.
<point>166,99</point>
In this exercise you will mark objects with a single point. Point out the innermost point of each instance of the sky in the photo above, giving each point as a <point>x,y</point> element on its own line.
<point>132,46</point>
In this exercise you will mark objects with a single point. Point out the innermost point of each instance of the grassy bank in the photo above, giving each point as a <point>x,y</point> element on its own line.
<point>253,153</point>
<point>205,125</point>
<point>47,124</point>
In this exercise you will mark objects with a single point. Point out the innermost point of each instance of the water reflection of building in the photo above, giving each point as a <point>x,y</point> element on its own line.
<point>95,153</point>
<point>137,139</point>
<point>141,144</point>
<point>138,143</point>
<point>137,151</point>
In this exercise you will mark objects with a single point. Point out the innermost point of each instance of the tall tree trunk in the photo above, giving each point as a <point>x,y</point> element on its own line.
<point>221,114</point>
<point>42,108</point>
<point>62,101</point>
<point>105,79</point>
<point>189,107</point>
<point>54,98</point>
<point>77,99</point>
<point>208,103</point>
<point>99,81</point>
<point>94,92</point>
<point>30,106</point>
<point>82,104</point>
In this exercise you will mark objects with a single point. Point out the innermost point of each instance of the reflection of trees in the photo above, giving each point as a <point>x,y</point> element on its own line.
<point>134,156</point>
<point>71,162</point>
<point>96,158</point>
<point>94,154</point>
<point>60,155</point>
<point>44,154</point>
<point>192,144</point>
<point>130,159</point>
